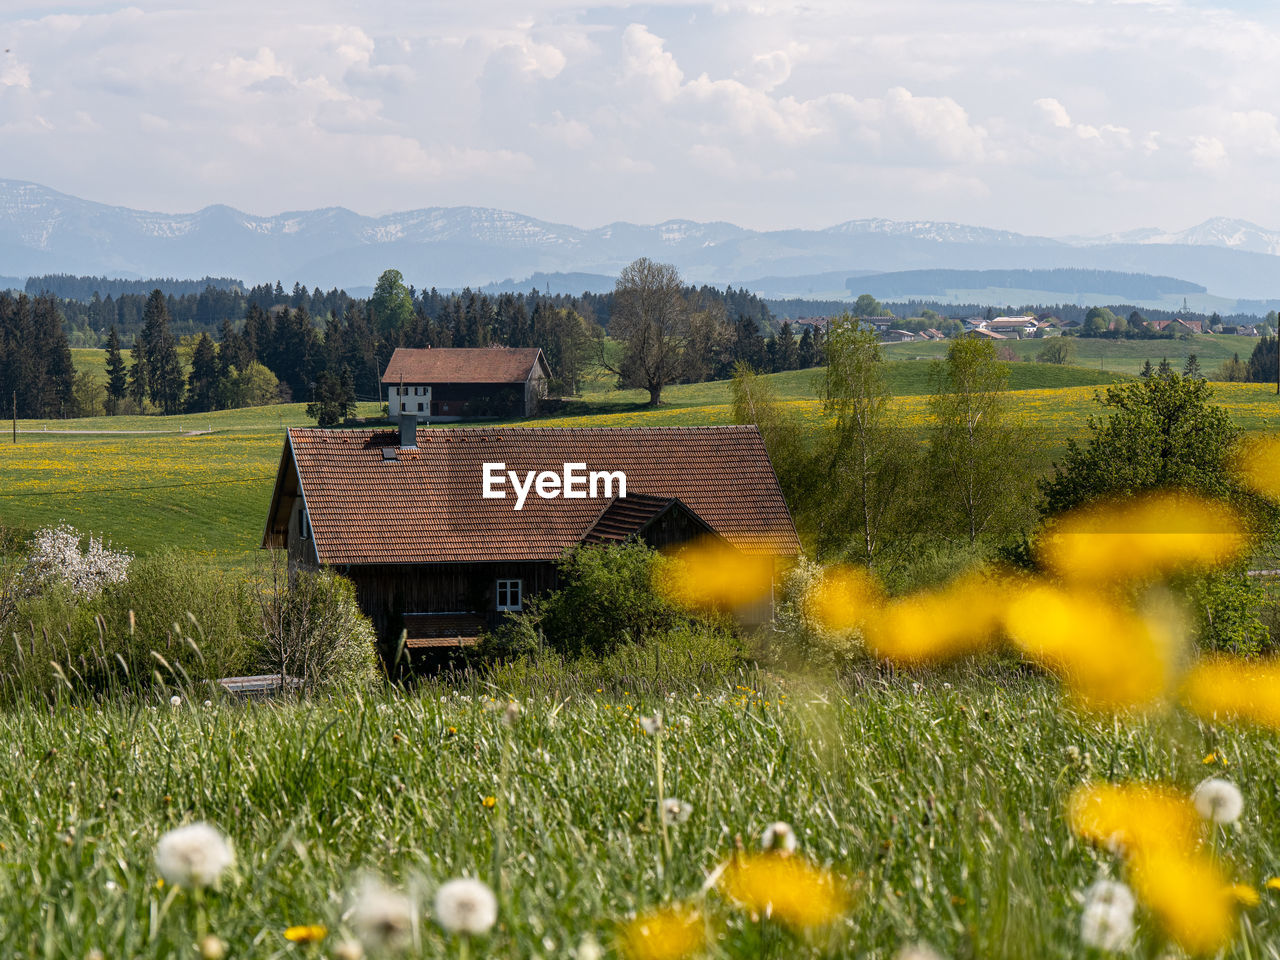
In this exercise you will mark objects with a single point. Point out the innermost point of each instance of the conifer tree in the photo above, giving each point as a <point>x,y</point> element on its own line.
<point>117,379</point>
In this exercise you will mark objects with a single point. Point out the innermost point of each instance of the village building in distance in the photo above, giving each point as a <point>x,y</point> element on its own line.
<point>447,384</point>
<point>404,514</point>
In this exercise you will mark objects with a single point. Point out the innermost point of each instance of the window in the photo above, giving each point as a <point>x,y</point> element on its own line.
<point>304,525</point>
<point>510,594</point>
<point>419,408</point>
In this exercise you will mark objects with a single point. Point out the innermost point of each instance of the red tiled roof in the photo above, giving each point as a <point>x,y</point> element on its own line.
<point>627,516</point>
<point>426,506</point>
<point>462,365</point>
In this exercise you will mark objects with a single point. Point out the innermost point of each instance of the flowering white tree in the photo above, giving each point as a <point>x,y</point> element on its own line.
<point>55,557</point>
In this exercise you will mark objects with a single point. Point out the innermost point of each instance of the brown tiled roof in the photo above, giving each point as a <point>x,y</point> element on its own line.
<point>462,365</point>
<point>629,515</point>
<point>426,506</point>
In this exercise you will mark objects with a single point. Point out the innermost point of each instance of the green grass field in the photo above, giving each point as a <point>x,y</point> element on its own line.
<point>941,807</point>
<point>208,494</point>
<point>1116,356</point>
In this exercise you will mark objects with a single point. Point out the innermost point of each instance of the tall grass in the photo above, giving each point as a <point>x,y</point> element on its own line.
<point>942,803</point>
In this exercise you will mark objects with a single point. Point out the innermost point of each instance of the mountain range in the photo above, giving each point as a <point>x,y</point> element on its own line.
<point>43,231</point>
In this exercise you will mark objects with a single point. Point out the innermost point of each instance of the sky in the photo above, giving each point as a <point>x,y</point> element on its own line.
<point>1049,117</point>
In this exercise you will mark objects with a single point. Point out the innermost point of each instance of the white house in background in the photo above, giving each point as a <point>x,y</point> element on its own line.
<point>447,384</point>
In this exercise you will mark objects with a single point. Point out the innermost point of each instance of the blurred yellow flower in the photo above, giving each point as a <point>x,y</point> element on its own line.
<point>668,933</point>
<point>788,889</point>
<point>1244,894</point>
<point>1109,656</point>
<point>934,625</point>
<point>1189,895</point>
<point>1135,817</point>
<point>1215,757</point>
<point>490,802</point>
<point>710,573</point>
<point>1226,689</point>
<point>1142,538</point>
<point>843,599</point>
<point>1273,883</point>
<point>307,933</point>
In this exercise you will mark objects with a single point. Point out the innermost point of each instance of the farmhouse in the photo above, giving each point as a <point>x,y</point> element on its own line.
<point>450,383</point>
<point>438,548</point>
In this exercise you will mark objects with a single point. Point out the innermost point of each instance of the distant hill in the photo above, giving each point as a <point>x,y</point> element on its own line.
<point>568,284</point>
<point>45,232</point>
<point>927,283</point>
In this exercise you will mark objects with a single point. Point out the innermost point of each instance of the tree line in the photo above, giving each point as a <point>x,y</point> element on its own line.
<point>284,352</point>
<point>35,357</point>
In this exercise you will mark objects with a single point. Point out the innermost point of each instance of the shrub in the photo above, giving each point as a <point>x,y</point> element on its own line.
<point>799,639</point>
<point>312,629</point>
<point>605,600</point>
<point>54,556</point>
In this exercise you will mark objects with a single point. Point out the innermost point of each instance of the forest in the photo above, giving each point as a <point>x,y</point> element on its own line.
<point>227,347</point>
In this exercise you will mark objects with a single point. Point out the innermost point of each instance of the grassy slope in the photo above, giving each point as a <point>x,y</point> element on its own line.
<point>1117,356</point>
<point>209,494</point>
<point>943,805</point>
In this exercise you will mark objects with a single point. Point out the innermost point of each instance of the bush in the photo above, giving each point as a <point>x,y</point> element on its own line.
<point>606,600</point>
<point>799,640</point>
<point>180,620</point>
<point>313,629</point>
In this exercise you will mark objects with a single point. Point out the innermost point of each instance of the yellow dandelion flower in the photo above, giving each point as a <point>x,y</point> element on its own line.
<point>1109,656</point>
<point>788,889</point>
<point>490,802</point>
<point>1142,538</point>
<point>306,933</point>
<point>710,573</point>
<point>1237,690</point>
<point>1244,894</point>
<point>1189,895</point>
<point>1273,883</point>
<point>843,598</point>
<point>668,933</point>
<point>1215,757</point>
<point>1133,817</point>
<point>961,618</point>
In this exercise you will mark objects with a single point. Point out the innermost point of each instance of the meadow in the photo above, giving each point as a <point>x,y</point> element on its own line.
<point>1124,357</point>
<point>939,808</point>
<point>202,482</point>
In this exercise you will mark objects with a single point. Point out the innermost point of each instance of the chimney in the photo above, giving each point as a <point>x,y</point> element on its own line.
<point>408,431</point>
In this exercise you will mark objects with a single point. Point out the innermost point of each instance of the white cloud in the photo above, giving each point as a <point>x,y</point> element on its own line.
<point>1086,115</point>
<point>645,60</point>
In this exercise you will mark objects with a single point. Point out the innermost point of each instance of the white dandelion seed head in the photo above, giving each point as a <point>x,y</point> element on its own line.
<point>466,906</point>
<point>917,951</point>
<point>511,714</point>
<point>175,701</point>
<point>382,918</point>
<point>675,811</point>
<point>208,703</point>
<point>212,948</point>
<point>348,950</point>
<point>1107,927</point>
<point>589,949</point>
<point>95,954</point>
<point>1110,893</point>
<point>1218,800</point>
<point>652,725</point>
<point>193,856</point>
<point>779,836</point>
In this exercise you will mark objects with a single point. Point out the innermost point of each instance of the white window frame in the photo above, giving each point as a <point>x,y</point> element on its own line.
<point>504,588</point>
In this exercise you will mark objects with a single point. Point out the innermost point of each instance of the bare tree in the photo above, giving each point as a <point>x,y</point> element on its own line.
<point>653,320</point>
